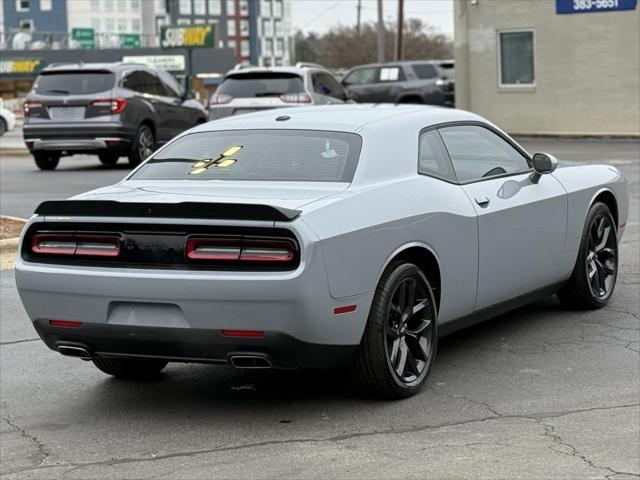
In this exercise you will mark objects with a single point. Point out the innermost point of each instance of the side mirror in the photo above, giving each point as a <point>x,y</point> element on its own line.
<point>543,163</point>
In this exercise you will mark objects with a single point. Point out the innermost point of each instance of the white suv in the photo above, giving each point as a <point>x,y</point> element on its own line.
<point>251,89</point>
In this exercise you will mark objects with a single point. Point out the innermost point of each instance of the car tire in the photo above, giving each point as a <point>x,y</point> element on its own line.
<point>130,369</point>
<point>143,145</point>
<point>398,349</point>
<point>46,160</point>
<point>109,157</point>
<point>3,126</point>
<point>594,276</point>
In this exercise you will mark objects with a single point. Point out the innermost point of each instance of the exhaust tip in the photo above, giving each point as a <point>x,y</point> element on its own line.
<point>249,361</point>
<point>74,351</point>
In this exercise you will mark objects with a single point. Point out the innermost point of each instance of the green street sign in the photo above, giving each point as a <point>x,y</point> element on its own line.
<point>195,36</point>
<point>85,37</point>
<point>129,40</point>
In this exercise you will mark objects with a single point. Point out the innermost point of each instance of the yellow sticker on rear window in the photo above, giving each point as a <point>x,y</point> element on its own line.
<point>232,151</point>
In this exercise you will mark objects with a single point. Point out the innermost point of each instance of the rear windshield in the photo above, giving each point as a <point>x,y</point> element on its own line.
<point>73,83</point>
<point>263,155</point>
<point>264,84</point>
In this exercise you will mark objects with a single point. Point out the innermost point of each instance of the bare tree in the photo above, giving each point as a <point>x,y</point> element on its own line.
<point>342,47</point>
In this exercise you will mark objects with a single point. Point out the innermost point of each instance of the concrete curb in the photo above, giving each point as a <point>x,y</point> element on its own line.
<point>15,152</point>
<point>9,246</point>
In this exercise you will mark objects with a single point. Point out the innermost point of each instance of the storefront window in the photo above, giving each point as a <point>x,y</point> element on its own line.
<point>516,50</point>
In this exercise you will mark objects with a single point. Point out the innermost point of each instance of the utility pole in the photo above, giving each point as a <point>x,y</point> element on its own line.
<point>381,34</point>
<point>359,8</point>
<point>399,33</point>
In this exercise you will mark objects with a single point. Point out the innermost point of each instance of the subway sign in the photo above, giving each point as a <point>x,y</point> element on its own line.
<point>16,66</point>
<point>590,6</point>
<point>195,36</point>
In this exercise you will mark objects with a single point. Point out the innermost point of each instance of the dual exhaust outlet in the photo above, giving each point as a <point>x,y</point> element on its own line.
<point>236,361</point>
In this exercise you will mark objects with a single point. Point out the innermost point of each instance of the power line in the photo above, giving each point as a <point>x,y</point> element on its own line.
<point>330,7</point>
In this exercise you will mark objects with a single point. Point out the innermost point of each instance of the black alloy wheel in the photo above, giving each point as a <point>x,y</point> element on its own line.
<point>400,341</point>
<point>594,276</point>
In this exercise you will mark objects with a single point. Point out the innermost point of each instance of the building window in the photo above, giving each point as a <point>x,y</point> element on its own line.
<point>184,7</point>
<point>232,44</point>
<point>231,28</point>
<point>135,5</point>
<point>278,27</point>
<point>265,9</point>
<point>135,25</point>
<point>199,21</point>
<point>279,46</point>
<point>108,5</point>
<point>184,21</point>
<point>22,5</point>
<point>244,48</point>
<point>95,24</point>
<point>266,61</point>
<point>25,24</point>
<point>267,28</point>
<point>122,24</point>
<point>244,8</point>
<point>45,5</point>
<point>516,58</point>
<point>122,6</point>
<point>231,7</point>
<point>110,24</point>
<point>199,7</point>
<point>244,28</point>
<point>268,46</point>
<point>278,62</point>
<point>94,5</point>
<point>215,7</point>
<point>161,6</point>
<point>277,8</point>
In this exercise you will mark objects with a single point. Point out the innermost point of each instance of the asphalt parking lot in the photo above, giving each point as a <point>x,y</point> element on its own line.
<point>541,392</point>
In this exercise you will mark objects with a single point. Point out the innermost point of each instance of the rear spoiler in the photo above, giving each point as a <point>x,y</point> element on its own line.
<point>200,210</point>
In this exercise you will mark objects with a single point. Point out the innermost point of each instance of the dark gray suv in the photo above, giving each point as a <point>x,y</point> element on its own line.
<point>110,110</point>
<point>418,81</point>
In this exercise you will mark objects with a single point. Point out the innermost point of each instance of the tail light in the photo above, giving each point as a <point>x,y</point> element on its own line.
<point>116,105</point>
<point>29,105</point>
<point>295,98</point>
<point>220,99</point>
<point>241,250</point>
<point>72,244</point>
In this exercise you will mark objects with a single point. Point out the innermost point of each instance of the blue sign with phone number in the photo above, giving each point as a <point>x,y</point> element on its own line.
<point>589,6</point>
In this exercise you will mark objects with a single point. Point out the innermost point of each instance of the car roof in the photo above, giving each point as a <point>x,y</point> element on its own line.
<point>290,70</point>
<point>80,66</point>
<point>403,62</point>
<point>346,117</point>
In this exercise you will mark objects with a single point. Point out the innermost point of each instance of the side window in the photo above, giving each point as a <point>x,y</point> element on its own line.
<point>424,71</point>
<point>171,86</point>
<point>325,84</point>
<point>153,85</point>
<point>476,152</point>
<point>362,76</point>
<point>134,81</point>
<point>432,157</point>
<point>391,74</point>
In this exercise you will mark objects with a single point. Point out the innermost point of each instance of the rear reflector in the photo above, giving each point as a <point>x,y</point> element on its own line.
<point>243,333</point>
<point>345,309</point>
<point>71,244</point>
<point>65,323</point>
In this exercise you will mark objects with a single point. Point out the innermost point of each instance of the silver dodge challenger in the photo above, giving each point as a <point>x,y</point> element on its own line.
<point>341,236</point>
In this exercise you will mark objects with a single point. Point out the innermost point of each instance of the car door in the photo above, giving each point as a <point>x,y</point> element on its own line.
<point>167,120</point>
<point>521,224</point>
<point>361,83</point>
<point>186,115</point>
<point>327,89</point>
<point>390,85</point>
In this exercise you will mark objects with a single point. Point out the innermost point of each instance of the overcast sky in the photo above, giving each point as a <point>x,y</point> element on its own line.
<point>321,15</point>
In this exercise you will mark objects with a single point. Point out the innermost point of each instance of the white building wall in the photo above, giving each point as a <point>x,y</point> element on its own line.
<point>107,17</point>
<point>274,32</point>
<point>587,68</point>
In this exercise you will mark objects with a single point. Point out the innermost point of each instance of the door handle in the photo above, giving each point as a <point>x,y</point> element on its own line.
<point>483,201</point>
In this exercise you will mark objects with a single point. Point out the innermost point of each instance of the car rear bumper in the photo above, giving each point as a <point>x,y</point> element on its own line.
<point>78,136</point>
<point>179,314</point>
<point>193,345</point>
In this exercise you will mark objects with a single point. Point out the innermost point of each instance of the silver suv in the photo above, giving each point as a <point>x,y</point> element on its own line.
<point>251,89</point>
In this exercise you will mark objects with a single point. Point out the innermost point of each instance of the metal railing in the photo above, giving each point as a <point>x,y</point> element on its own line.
<point>40,40</point>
